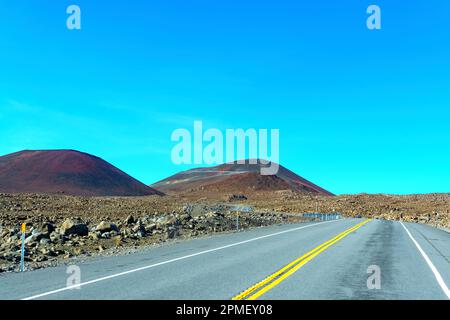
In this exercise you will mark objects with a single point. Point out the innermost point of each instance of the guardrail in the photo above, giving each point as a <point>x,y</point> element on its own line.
<point>322,216</point>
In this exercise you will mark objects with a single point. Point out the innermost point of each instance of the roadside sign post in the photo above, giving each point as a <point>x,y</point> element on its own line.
<point>237,221</point>
<point>22,255</point>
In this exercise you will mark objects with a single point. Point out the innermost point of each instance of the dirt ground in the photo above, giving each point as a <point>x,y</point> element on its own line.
<point>60,228</point>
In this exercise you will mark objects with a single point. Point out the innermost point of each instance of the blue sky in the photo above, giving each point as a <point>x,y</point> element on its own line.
<point>358,110</point>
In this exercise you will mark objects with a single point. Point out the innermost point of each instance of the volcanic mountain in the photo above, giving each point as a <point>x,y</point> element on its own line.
<point>66,172</point>
<point>236,178</point>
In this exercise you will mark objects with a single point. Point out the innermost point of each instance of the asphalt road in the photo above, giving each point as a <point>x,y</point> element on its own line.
<point>328,260</point>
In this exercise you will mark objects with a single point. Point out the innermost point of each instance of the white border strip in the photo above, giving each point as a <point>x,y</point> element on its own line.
<point>436,273</point>
<point>172,260</point>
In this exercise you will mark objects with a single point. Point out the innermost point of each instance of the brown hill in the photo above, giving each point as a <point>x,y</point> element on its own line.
<point>67,172</point>
<point>236,178</point>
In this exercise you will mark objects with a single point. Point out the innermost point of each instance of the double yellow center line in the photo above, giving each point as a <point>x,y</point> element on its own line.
<point>257,290</point>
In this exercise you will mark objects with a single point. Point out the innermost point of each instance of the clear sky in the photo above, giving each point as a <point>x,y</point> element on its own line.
<point>358,110</point>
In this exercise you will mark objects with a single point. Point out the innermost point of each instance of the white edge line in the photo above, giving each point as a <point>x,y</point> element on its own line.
<point>169,261</point>
<point>436,273</point>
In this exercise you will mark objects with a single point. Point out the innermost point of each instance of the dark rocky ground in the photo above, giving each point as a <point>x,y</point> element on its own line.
<point>62,228</point>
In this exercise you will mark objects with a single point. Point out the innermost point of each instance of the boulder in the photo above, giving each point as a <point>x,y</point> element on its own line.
<point>139,227</point>
<point>106,235</point>
<point>74,227</point>
<point>172,232</point>
<point>130,220</point>
<point>47,228</point>
<point>106,227</point>
<point>151,227</point>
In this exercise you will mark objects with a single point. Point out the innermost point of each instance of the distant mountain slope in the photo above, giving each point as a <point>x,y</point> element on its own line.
<point>68,172</point>
<point>233,177</point>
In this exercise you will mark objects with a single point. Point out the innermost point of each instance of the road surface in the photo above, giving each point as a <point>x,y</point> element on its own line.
<point>319,260</point>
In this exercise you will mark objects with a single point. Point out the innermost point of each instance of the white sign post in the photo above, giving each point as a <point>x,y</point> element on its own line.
<point>22,255</point>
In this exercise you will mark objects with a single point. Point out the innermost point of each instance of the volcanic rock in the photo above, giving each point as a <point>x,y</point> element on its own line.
<point>106,227</point>
<point>71,227</point>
